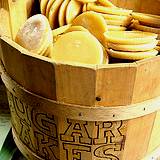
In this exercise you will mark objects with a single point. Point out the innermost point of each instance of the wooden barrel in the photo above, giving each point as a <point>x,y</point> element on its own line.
<point>83,112</point>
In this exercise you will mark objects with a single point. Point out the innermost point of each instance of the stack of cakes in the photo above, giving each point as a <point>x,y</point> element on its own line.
<point>131,45</point>
<point>117,19</point>
<point>63,12</point>
<point>147,23</point>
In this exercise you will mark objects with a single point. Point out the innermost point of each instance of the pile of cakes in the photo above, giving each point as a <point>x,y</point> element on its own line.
<point>90,32</point>
<point>131,45</point>
<point>147,23</point>
<point>62,12</point>
<point>117,19</point>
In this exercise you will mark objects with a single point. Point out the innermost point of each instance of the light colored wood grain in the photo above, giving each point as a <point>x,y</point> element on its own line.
<point>115,89</point>
<point>11,57</point>
<point>44,76</point>
<point>82,136</point>
<point>72,134</point>
<point>29,65</point>
<point>114,84</point>
<point>134,127</point>
<point>138,136</point>
<point>80,112</point>
<point>29,115</point>
<point>147,84</point>
<point>155,138</point>
<point>75,85</point>
<point>74,110</point>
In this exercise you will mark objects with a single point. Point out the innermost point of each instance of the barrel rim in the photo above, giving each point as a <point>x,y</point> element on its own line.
<point>23,51</point>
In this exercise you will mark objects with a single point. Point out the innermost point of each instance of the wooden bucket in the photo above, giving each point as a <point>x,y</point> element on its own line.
<point>99,121</point>
<point>75,112</point>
